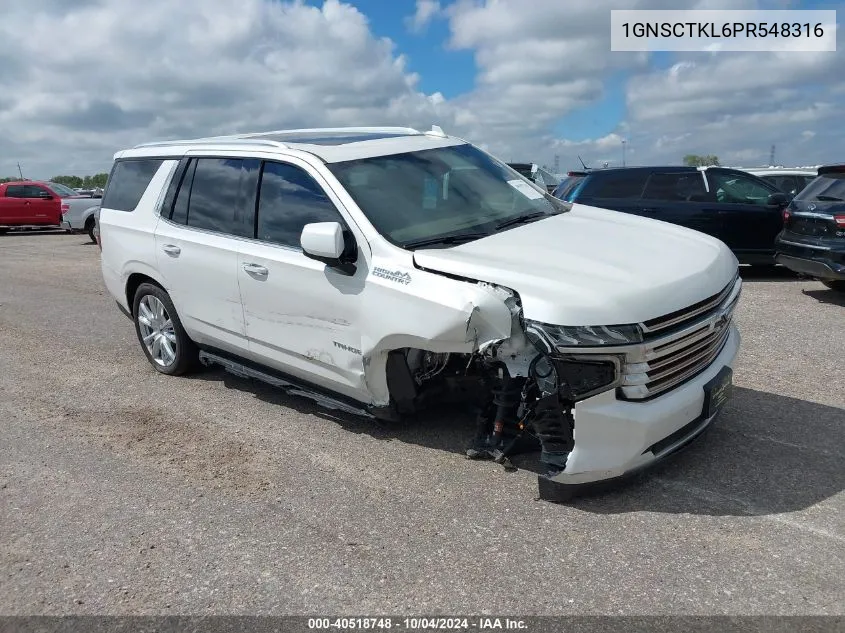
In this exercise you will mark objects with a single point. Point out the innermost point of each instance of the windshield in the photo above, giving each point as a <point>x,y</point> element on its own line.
<point>64,192</point>
<point>444,192</point>
<point>827,188</point>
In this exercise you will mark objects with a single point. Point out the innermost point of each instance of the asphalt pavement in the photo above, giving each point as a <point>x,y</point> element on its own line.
<point>123,491</point>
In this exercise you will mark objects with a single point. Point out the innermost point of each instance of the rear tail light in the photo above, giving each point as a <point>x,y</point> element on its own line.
<point>840,220</point>
<point>786,215</point>
<point>65,207</point>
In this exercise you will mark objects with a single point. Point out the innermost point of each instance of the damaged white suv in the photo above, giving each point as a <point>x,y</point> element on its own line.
<point>379,270</point>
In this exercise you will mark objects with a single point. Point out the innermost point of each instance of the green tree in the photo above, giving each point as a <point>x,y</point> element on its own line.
<point>68,181</point>
<point>694,160</point>
<point>99,180</point>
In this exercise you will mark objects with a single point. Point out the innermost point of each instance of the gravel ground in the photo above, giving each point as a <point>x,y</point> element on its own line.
<point>123,491</point>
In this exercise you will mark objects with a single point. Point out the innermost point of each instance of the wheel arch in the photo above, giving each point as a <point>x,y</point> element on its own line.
<point>133,282</point>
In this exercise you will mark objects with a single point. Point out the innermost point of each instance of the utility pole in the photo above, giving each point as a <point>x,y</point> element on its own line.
<point>557,164</point>
<point>623,152</point>
<point>19,171</point>
<point>772,157</point>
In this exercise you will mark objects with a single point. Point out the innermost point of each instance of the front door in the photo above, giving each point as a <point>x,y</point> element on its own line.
<point>750,225</point>
<point>302,317</point>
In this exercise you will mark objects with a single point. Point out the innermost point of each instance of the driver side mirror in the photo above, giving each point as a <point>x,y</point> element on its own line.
<point>327,242</point>
<point>777,199</point>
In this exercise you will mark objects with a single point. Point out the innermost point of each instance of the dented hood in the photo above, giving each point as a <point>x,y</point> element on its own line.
<point>592,266</point>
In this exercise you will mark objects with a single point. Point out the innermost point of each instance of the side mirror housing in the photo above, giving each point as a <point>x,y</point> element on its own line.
<point>777,199</point>
<point>327,242</point>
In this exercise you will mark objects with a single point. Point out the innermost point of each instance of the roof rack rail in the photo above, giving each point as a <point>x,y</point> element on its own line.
<point>386,130</point>
<point>220,140</point>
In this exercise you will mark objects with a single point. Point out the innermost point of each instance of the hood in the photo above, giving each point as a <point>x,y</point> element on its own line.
<point>592,266</point>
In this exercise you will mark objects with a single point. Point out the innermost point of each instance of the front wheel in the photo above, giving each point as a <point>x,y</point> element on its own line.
<point>160,332</point>
<point>834,284</point>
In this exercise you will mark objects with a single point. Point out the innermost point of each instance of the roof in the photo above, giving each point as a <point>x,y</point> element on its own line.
<point>329,144</point>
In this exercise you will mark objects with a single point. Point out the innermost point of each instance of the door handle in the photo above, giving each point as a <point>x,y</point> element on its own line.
<point>171,249</point>
<point>256,269</point>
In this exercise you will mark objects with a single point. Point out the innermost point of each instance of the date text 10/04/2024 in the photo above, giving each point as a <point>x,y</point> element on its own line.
<point>418,623</point>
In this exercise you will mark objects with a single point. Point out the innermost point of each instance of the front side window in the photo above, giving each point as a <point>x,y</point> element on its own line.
<point>445,193</point>
<point>128,182</point>
<point>16,191</point>
<point>735,188</point>
<point>288,199</point>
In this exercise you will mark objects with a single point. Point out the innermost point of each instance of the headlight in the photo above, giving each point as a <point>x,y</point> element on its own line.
<point>575,378</point>
<point>549,337</point>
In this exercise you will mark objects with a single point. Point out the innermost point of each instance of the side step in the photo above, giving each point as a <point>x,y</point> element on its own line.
<point>244,371</point>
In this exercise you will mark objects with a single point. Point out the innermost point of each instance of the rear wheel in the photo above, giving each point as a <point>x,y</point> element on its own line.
<point>89,227</point>
<point>834,284</point>
<point>163,339</point>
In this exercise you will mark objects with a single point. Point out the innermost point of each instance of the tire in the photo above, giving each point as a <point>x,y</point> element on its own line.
<point>89,227</point>
<point>834,284</point>
<point>168,349</point>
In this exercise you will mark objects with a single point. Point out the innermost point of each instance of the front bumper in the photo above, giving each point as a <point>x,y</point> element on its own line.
<point>822,258</point>
<point>615,439</point>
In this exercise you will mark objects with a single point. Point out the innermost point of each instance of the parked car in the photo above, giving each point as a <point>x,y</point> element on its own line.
<point>80,217</point>
<point>37,204</point>
<point>536,174</point>
<point>742,210</point>
<point>813,238</point>
<point>380,270</point>
<point>27,203</point>
<point>790,180</point>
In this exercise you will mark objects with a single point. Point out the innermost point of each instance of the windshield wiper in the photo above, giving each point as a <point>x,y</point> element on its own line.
<point>521,219</point>
<point>824,198</point>
<point>447,240</point>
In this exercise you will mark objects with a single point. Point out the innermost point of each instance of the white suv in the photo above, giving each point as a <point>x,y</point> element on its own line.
<point>377,270</point>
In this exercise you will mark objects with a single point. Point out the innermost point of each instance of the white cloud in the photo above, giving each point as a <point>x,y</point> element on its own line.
<point>93,76</point>
<point>427,10</point>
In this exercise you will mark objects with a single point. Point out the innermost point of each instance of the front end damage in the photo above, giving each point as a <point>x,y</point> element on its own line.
<point>521,394</point>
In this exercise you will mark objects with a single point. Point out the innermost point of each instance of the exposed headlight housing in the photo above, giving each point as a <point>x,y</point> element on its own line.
<point>576,378</point>
<point>550,337</point>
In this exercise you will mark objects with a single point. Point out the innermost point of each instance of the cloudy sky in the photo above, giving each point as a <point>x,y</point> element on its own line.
<point>527,80</point>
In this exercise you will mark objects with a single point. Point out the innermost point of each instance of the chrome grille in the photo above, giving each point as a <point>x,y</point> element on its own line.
<point>685,315</point>
<point>690,340</point>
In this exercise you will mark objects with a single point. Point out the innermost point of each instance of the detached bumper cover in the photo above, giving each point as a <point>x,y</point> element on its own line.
<point>616,439</point>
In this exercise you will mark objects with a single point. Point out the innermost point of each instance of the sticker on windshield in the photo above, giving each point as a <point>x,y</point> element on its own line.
<point>525,189</point>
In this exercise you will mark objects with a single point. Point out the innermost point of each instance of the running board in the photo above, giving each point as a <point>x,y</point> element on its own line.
<point>244,371</point>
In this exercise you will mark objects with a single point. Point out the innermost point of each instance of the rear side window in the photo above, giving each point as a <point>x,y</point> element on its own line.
<point>676,187</point>
<point>622,184</point>
<point>218,194</point>
<point>288,200</point>
<point>128,181</point>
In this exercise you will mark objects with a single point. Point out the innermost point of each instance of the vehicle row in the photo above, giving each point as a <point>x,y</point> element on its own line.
<point>38,204</point>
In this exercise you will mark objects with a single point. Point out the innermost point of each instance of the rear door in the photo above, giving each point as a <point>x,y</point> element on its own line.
<point>680,197</point>
<point>12,204</point>
<point>749,224</point>
<point>197,242</point>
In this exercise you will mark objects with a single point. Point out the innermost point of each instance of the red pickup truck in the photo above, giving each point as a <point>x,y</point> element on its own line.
<point>32,203</point>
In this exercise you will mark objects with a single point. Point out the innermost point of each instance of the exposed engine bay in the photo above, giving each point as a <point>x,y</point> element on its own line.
<point>520,391</point>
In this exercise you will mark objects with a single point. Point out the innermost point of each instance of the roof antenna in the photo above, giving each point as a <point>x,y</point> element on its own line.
<point>582,164</point>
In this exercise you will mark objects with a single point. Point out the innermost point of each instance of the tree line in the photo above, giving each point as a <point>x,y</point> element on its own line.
<point>75,182</point>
